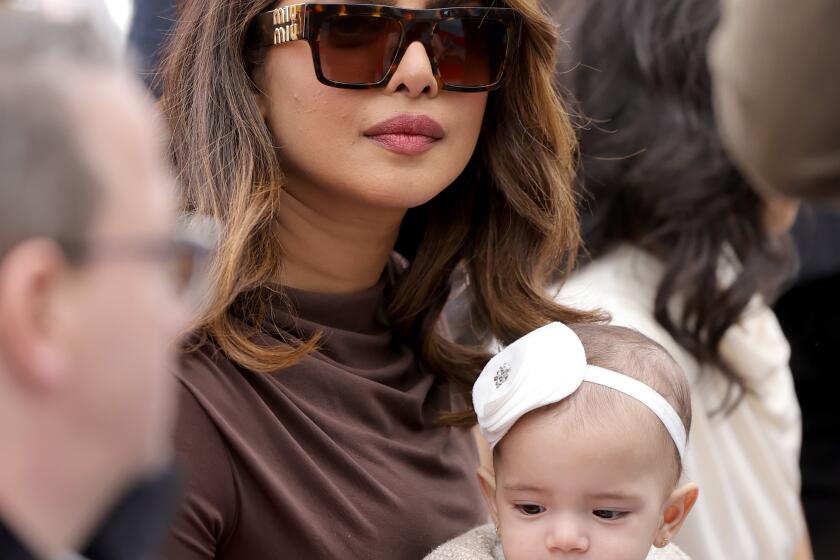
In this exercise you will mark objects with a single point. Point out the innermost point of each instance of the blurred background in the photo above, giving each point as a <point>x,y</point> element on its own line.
<point>111,17</point>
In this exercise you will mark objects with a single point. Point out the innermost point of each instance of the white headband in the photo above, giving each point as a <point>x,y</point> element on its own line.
<point>544,367</point>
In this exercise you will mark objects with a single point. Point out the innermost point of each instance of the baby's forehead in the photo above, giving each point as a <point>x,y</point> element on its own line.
<point>579,470</point>
<point>598,412</point>
<point>618,431</point>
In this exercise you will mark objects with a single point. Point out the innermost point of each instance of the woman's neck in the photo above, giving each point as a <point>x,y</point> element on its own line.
<point>332,245</point>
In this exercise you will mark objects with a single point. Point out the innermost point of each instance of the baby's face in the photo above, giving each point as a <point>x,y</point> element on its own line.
<point>596,492</point>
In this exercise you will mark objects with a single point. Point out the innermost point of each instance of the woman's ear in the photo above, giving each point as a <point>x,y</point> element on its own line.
<point>487,482</point>
<point>676,510</point>
<point>262,102</point>
<point>258,77</point>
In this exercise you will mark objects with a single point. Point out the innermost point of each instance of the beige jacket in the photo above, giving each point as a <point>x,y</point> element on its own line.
<point>745,463</point>
<point>482,544</point>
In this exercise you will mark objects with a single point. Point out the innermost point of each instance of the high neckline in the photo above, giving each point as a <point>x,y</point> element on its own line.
<point>358,312</point>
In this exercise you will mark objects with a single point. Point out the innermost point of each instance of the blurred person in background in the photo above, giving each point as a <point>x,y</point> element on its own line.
<point>95,13</point>
<point>684,250</point>
<point>776,70</point>
<point>89,301</point>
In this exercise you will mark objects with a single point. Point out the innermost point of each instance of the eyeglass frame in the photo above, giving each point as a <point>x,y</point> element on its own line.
<point>198,237</point>
<point>303,22</point>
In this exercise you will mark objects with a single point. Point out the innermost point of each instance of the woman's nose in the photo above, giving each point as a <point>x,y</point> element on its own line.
<point>414,75</point>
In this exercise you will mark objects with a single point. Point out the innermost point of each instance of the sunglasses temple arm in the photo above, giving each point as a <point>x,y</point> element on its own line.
<point>289,23</point>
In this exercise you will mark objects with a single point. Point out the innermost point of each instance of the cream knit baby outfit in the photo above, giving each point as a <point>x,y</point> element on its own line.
<point>482,544</point>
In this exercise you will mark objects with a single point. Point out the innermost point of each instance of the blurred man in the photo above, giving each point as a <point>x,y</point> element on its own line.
<point>89,301</point>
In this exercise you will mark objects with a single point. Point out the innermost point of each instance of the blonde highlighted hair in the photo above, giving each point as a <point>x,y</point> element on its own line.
<point>509,219</point>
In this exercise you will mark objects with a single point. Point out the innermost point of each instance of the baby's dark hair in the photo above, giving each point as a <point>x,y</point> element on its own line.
<point>630,353</point>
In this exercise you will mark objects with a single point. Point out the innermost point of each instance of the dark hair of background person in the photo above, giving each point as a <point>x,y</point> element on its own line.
<point>38,144</point>
<point>151,25</point>
<point>654,171</point>
<point>510,218</point>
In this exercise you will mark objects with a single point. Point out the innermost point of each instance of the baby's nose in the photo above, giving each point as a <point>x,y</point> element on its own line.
<point>567,535</point>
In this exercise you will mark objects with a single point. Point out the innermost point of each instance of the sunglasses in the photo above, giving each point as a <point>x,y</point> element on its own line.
<point>359,46</point>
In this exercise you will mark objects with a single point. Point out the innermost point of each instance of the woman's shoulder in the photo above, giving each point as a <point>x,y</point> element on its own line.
<point>210,506</point>
<point>212,395</point>
<point>623,280</point>
<point>480,543</point>
<point>623,283</point>
<point>210,503</point>
<point>204,383</point>
<point>205,370</point>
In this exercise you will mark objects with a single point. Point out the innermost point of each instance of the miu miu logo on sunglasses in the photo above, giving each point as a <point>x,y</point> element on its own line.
<point>286,28</point>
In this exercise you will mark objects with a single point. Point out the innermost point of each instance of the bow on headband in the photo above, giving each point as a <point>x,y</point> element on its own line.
<point>544,367</point>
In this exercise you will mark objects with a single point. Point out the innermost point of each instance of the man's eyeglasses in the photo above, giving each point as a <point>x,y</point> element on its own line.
<point>360,46</point>
<point>186,253</point>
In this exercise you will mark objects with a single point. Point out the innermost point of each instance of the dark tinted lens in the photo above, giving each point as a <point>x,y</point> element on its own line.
<point>358,49</point>
<point>470,52</point>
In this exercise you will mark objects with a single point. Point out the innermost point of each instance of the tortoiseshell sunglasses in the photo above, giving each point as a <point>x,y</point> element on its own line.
<point>359,46</point>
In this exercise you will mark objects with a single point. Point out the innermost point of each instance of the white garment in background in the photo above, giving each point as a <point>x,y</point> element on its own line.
<point>745,463</point>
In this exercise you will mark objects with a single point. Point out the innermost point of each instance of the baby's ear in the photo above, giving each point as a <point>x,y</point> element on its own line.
<point>487,482</point>
<point>676,509</point>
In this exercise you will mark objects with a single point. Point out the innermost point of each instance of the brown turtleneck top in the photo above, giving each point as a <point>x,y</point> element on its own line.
<point>338,456</point>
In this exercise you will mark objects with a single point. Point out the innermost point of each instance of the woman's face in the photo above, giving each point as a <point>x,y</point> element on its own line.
<point>327,138</point>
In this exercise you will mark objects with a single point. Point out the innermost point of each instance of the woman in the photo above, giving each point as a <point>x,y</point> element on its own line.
<point>324,138</point>
<point>685,251</point>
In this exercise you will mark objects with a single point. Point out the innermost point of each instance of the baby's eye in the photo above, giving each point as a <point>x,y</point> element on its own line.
<point>529,509</point>
<point>609,514</point>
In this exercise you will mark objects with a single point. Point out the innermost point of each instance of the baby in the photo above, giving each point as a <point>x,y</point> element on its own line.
<point>588,429</point>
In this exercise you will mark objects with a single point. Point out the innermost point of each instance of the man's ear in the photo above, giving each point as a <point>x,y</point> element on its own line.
<point>487,482</point>
<point>676,510</point>
<point>29,277</point>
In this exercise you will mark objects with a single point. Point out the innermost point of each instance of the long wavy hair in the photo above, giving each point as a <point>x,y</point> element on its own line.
<point>654,171</point>
<point>510,219</point>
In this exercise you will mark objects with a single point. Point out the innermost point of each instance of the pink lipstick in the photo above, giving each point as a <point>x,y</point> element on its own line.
<point>406,134</point>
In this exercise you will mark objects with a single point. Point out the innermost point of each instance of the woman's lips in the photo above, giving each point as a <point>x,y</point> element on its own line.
<point>406,134</point>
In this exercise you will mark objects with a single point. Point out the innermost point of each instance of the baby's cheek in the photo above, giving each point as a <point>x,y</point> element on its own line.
<point>523,540</point>
<point>628,541</point>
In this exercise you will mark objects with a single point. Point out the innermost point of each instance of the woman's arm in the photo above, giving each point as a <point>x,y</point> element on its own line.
<point>208,511</point>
